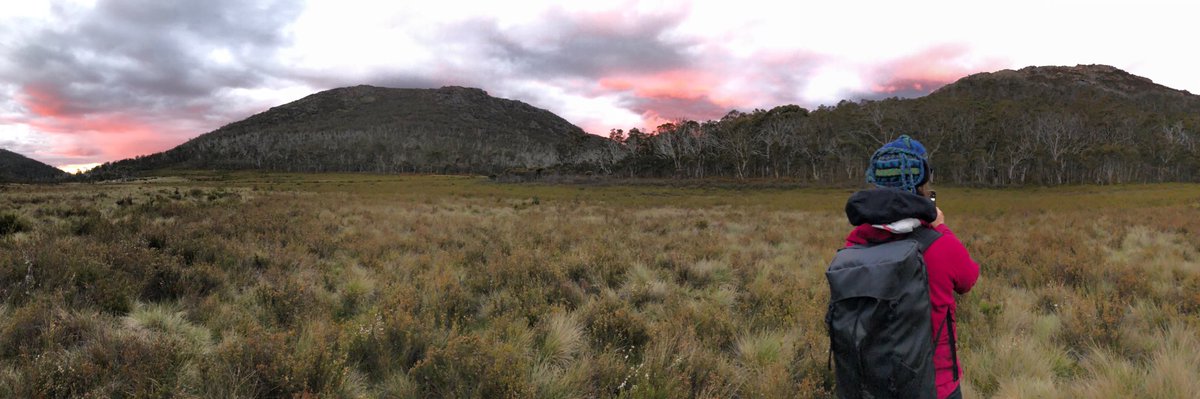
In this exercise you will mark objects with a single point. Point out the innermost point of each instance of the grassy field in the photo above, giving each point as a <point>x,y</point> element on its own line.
<point>282,286</point>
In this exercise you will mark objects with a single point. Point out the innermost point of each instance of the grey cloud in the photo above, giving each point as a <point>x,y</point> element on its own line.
<point>406,80</point>
<point>677,108</point>
<point>582,49</point>
<point>570,46</point>
<point>576,49</point>
<point>898,87</point>
<point>17,146</point>
<point>149,55</point>
<point>571,49</point>
<point>383,79</point>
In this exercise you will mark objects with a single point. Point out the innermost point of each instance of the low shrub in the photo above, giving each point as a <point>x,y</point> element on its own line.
<point>470,367</point>
<point>88,224</point>
<point>612,325</point>
<point>249,364</point>
<point>284,298</point>
<point>12,223</point>
<point>386,342</point>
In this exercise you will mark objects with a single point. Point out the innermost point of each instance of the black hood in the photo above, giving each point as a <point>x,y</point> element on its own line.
<point>887,205</point>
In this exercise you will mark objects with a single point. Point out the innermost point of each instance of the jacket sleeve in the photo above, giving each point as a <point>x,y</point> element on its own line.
<point>964,271</point>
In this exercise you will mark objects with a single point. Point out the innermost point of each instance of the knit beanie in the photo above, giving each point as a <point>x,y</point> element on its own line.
<point>899,164</point>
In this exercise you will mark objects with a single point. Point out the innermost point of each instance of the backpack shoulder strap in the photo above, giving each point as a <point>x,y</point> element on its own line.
<point>925,237</point>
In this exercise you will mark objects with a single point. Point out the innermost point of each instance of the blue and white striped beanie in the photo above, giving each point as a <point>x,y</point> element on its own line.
<point>901,164</point>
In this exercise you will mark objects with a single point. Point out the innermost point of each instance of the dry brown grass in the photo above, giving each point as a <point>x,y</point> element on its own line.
<point>407,286</point>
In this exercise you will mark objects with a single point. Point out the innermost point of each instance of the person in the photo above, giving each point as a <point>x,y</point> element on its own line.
<point>902,202</point>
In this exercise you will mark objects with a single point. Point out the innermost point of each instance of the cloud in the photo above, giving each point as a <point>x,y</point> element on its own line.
<point>549,57</point>
<point>637,61</point>
<point>124,54</point>
<point>666,95</point>
<point>921,73</point>
<point>22,143</point>
<point>83,135</point>
<point>617,56</point>
<point>591,44</point>
<point>128,76</point>
<point>713,83</point>
<point>117,79</point>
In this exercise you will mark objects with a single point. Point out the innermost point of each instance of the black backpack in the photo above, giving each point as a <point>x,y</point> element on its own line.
<point>880,333</point>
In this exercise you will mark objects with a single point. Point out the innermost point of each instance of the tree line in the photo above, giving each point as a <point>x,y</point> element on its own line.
<point>1043,141</point>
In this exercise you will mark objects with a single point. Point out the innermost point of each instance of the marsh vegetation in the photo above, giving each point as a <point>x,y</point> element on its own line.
<point>278,285</point>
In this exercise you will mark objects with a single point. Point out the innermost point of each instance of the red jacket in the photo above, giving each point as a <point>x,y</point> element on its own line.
<point>950,269</point>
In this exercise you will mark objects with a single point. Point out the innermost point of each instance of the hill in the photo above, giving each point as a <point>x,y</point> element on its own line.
<point>375,129</point>
<point>1061,79</point>
<point>1081,124</point>
<point>15,167</point>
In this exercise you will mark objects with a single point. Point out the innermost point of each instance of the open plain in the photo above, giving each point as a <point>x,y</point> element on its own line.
<point>251,285</point>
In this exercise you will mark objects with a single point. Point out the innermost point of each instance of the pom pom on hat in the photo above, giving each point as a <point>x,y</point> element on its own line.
<point>901,164</point>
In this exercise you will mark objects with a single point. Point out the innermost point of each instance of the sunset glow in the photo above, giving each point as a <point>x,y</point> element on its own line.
<point>79,136</point>
<point>77,168</point>
<point>85,82</point>
<point>670,84</point>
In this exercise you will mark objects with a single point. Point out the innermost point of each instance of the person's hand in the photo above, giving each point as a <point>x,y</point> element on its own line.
<point>941,218</point>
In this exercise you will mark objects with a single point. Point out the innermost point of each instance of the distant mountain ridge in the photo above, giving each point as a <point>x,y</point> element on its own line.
<point>1037,125</point>
<point>1051,82</point>
<point>15,167</point>
<point>375,129</point>
<point>1104,77</point>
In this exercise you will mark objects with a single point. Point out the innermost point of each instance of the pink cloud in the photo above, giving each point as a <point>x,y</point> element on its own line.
<point>678,83</point>
<point>80,137</point>
<point>41,101</point>
<point>664,96</point>
<point>715,83</point>
<point>926,71</point>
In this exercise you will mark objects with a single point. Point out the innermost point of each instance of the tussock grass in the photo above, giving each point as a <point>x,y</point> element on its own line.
<point>764,349</point>
<point>643,285</point>
<point>249,285</point>
<point>563,340</point>
<point>169,321</point>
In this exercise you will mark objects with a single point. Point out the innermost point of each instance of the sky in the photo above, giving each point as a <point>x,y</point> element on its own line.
<point>89,81</point>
